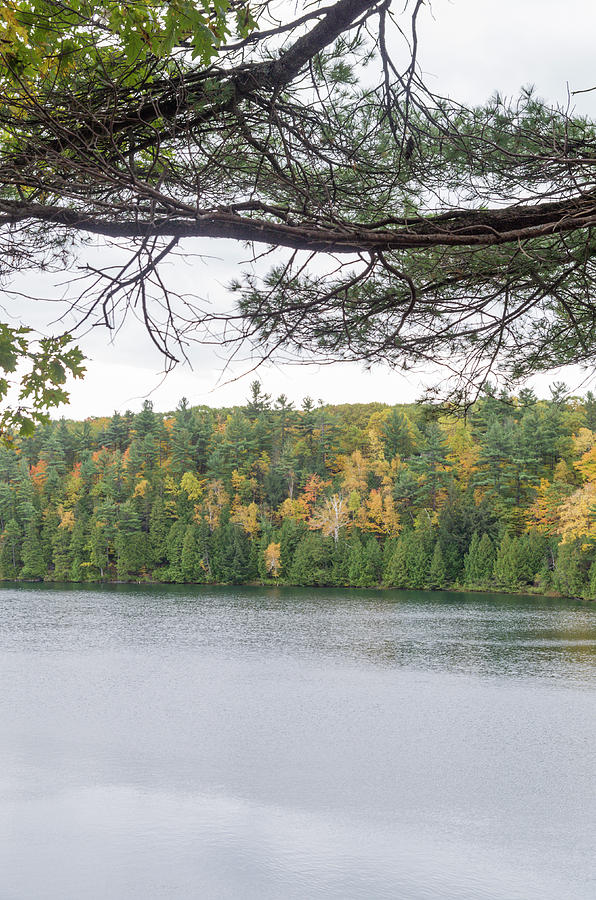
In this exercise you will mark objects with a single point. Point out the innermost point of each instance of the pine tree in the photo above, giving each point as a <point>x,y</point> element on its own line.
<point>117,433</point>
<point>146,421</point>
<point>432,467</point>
<point>258,400</point>
<point>398,436</point>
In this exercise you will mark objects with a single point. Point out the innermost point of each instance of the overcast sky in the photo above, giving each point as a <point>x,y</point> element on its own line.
<point>468,49</point>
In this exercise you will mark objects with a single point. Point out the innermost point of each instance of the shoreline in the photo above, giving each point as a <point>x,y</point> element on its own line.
<point>453,589</point>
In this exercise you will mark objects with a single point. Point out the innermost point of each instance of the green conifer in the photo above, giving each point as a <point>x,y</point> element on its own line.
<point>437,573</point>
<point>34,564</point>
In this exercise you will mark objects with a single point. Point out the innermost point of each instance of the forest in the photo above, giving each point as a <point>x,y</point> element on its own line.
<point>417,496</point>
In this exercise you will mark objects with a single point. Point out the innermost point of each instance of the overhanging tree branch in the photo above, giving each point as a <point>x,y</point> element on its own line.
<point>416,226</point>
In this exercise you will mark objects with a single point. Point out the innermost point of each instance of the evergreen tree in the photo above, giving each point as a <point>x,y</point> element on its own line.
<point>232,561</point>
<point>117,433</point>
<point>405,493</point>
<point>10,555</point>
<point>79,544</point>
<point>258,400</point>
<point>158,533</point>
<point>203,537</point>
<point>459,518</point>
<point>146,421</point>
<point>340,562</point>
<point>494,466</point>
<point>396,572</point>
<point>410,563</point>
<point>511,568</point>
<point>437,572</point>
<point>591,592</point>
<point>101,538</point>
<point>397,436</point>
<point>479,562</point>
<point>310,565</point>
<point>87,501</point>
<point>291,534</point>
<point>355,561</point>
<point>62,557</point>
<point>182,456</point>
<point>174,543</point>
<point>590,411</point>
<point>131,544</point>
<point>486,553</point>
<point>432,467</point>
<point>189,563</point>
<point>34,564</point>
<point>573,569</point>
<point>372,560</point>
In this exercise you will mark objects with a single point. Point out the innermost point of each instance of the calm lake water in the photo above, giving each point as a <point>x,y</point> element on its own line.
<point>243,743</point>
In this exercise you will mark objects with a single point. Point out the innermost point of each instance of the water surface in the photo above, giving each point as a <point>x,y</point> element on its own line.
<point>243,743</point>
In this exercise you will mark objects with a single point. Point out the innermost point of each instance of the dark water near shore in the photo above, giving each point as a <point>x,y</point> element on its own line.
<point>295,743</point>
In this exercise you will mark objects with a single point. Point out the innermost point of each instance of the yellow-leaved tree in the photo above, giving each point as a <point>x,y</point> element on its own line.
<point>273,559</point>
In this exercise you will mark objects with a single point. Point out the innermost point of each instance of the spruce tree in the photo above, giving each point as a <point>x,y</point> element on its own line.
<point>310,565</point>
<point>486,560</point>
<point>511,568</point>
<point>397,573</point>
<point>355,561</point>
<point>79,551</point>
<point>472,563</point>
<point>174,542</point>
<point>573,569</point>
<point>34,564</point>
<point>62,557</point>
<point>10,555</point>
<point>340,562</point>
<point>291,534</point>
<point>188,555</point>
<point>372,563</point>
<point>437,572</point>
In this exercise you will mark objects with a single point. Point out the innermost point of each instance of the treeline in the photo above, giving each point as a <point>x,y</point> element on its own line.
<point>414,496</point>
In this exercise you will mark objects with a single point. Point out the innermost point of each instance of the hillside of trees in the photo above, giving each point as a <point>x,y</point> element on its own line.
<point>414,496</point>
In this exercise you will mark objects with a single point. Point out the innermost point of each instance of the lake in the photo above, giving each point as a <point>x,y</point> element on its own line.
<point>190,742</point>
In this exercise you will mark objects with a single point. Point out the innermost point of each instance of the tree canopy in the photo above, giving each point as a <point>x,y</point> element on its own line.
<point>314,495</point>
<point>408,227</point>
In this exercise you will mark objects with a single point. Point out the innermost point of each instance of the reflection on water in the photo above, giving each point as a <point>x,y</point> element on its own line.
<point>481,633</point>
<point>182,742</point>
